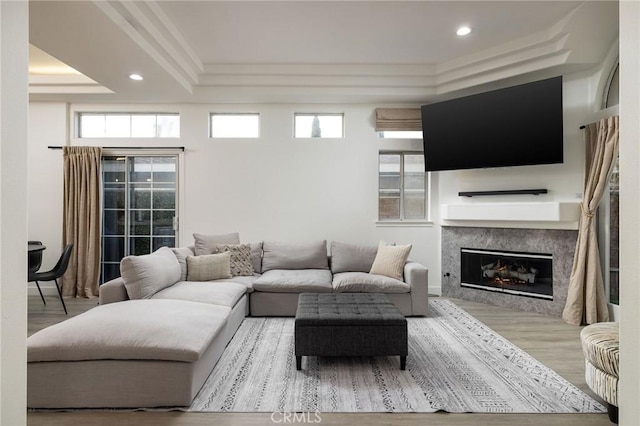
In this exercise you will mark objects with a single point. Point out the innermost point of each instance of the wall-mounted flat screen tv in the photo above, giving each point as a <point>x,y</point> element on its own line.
<point>516,126</point>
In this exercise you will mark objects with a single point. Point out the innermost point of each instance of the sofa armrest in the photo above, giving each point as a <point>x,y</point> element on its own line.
<point>113,291</point>
<point>416,275</point>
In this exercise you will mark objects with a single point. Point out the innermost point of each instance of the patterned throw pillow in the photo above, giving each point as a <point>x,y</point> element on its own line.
<point>240,258</point>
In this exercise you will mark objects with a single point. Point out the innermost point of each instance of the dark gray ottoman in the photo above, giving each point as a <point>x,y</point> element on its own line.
<point>349,324</point>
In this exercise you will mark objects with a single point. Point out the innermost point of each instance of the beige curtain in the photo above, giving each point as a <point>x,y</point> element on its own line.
<point>81,220</point>
<point>586,302</point>
<point>398,119</point>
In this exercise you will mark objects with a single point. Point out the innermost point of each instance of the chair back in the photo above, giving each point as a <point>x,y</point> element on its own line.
<point>63,262</point>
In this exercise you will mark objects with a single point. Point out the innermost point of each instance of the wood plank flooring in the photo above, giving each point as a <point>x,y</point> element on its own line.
<point>549,340</point>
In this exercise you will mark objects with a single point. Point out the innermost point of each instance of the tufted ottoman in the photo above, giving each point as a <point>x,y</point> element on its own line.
<point>600,344</point>
<point>349,324</point>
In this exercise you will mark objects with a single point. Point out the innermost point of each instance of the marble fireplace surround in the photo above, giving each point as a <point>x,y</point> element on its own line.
<point>560,243</point>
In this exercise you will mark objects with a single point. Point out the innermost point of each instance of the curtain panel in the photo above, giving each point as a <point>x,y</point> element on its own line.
<point>586,301</point>
<point>81,220</point>
<point>398,119</point>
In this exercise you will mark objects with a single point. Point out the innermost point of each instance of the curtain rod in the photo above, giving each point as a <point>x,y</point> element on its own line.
<point>181,148</point>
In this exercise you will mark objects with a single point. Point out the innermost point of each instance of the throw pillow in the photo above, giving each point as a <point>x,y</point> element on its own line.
<point>240,258</point>
<point>277,255</point>
<point>147,274</point>
<point>390,260</point>
<point>181,254</point>
<point>351,258</point>
<point>209,267</point>
<point>206,244</point>
<point>256,257</point>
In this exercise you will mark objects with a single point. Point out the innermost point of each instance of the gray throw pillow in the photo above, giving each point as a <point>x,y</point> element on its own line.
<point>240,258</point>
<point>147,274</point>
<point>256,257</point>
<point>181,254</point>
<point>278,255</point>
<point>206,244</point>
<point>351,257</point>
<point>209,267</point>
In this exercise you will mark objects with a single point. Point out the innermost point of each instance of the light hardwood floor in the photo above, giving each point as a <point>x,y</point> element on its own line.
<point>549,340</point>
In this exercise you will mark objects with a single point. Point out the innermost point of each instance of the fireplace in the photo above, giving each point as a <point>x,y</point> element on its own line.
<point>517,273</point>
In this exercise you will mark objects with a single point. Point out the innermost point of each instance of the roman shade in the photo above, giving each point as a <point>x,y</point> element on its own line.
<point>398,119</point>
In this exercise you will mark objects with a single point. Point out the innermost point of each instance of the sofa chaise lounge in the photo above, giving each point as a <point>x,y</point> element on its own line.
<point>144,350</point>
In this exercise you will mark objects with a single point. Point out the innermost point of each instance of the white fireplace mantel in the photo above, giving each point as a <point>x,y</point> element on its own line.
<point>562,215</point>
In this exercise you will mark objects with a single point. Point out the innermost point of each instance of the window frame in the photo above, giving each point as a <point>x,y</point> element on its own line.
<point>402,220</point>
<point>79,114</point>
<point>319,114</point>
<point>235,114</point>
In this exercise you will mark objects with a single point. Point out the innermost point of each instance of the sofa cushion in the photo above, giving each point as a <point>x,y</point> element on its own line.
<point>351,257</point>
<point>206,244</point>
<point>240,258</point>
<point>213,292</point>
<point>209,267</point>
<point>181,254</point>
<point>171,330</point>
<point>245,281</point>
<point>256,257</point>
<point>294,281</point>
<point>390,260</point>
<point>278,255</point>
<point>363,282</point>
<point>147,274</point>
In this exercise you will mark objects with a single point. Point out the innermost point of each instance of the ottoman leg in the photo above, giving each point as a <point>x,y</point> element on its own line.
<point>298,362</point>
<point>403,362</point>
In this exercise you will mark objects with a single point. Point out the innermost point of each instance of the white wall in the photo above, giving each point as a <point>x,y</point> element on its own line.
<point>14,36</point>
<point>272,188</point>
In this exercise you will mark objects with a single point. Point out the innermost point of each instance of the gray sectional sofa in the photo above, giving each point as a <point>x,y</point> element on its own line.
<point>152,351</point>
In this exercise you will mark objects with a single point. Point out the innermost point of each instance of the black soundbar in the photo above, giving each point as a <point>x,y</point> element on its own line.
<point>507,192</point>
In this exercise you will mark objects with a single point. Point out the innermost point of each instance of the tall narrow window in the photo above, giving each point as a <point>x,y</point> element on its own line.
<point>139,207</point>
<point>402,187</point>
<point>614,235</point>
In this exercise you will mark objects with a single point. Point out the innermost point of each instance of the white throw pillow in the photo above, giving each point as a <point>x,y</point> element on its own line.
<point>209,267</point>
<point>146,275</point>
<point>390,260</point>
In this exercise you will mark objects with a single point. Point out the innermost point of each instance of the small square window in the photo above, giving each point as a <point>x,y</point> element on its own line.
<point>318,125</point>
<point>234,125</point>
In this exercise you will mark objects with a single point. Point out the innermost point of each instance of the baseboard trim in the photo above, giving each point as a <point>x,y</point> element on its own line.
<point>435,290</point>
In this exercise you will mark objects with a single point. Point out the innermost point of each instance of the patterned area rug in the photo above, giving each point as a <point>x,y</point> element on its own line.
<point>455,364</point>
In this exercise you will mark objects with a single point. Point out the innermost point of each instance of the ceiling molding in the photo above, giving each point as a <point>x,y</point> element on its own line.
<point>158,43</point>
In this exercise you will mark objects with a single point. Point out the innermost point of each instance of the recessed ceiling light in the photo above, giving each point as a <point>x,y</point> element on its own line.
<point>136,77</point>
<point>463,31</point>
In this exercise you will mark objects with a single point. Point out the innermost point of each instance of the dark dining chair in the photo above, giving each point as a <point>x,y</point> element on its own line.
<point>54,273</point>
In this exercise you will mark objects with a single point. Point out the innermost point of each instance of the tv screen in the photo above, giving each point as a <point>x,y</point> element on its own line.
<point>516,126</point>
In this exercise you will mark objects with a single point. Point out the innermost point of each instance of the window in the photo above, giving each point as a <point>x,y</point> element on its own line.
<point>318,125</point>
<point>402,188</point>
<point>125,125</point>
<point>234,125</point>
<point>139,207</point>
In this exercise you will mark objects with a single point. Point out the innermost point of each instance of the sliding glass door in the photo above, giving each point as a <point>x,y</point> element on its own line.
<point>139,207</point>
